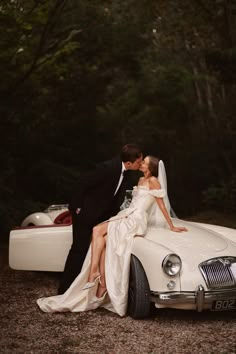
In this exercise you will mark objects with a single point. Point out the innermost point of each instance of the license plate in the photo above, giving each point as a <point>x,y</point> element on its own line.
<point>222,305</point>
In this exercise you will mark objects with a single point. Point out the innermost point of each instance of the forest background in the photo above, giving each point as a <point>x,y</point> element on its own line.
<point>81,78</point>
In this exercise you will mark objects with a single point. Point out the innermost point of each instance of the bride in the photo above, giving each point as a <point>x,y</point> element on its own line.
<point>104,277</point>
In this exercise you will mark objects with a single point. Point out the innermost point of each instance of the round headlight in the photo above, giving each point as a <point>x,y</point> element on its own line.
<point>172,264</point>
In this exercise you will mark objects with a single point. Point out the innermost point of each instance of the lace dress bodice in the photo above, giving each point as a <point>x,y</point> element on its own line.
<point>142,197</point>
<point>143,207</point>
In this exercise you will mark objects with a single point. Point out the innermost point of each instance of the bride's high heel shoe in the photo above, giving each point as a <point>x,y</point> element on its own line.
<point>90,284</point>
<point>103,295</point>
<point>102,298</point>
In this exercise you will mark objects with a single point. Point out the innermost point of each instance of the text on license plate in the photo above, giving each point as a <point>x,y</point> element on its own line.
<point>221,305</point>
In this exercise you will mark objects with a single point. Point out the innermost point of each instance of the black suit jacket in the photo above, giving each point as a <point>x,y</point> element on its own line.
<point>95,193</point>
<point>95,197</point>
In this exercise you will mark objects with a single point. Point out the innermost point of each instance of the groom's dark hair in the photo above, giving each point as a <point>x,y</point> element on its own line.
<point>130,152</point>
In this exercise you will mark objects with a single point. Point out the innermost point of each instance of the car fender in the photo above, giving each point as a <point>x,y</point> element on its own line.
<point>40,248</point>
<point>151,255</point>
<point>37,219</point>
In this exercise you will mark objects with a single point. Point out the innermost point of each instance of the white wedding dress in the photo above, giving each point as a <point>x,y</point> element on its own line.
<point>122,229</point>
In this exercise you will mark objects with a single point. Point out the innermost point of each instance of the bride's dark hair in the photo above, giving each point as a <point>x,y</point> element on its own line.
<point>153,165</point>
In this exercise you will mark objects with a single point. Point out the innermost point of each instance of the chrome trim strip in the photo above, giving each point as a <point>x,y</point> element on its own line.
<point>198,297</point>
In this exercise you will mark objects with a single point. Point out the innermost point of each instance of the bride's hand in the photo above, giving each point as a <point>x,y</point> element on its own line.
<point>178,229</point>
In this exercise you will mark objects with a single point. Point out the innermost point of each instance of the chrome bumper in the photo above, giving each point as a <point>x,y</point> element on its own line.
<point>200,297</point>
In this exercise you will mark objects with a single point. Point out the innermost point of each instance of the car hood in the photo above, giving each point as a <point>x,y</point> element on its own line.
<point>196,241</point>
<point>195,246</point>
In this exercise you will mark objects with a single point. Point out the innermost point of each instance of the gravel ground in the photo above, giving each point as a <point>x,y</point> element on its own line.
<point>25,329</point>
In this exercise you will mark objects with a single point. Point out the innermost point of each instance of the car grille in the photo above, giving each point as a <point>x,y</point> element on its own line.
<point>219,272</point>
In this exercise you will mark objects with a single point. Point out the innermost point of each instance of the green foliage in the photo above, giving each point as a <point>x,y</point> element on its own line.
<point>221,197</point>
<point>81,78</point>
<point>223,63</point>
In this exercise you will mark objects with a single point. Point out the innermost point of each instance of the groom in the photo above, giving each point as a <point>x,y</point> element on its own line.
<point>98,197</point>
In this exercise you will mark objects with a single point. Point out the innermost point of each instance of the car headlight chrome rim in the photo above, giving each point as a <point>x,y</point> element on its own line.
<point>172,264</point>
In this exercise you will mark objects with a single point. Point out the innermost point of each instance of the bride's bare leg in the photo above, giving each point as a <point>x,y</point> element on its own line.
<point>102,285</point>
<point>98,245</point>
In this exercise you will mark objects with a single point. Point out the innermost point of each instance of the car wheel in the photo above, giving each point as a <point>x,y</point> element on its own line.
<point>139,291</point>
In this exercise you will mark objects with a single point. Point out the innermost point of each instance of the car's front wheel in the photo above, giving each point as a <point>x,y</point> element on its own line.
<point>139,291</point>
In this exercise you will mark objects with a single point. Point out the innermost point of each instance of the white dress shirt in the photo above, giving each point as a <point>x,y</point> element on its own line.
<point>121,178</point>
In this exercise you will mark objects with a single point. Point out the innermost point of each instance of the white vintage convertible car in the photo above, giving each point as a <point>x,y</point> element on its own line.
<point>194,270</point>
